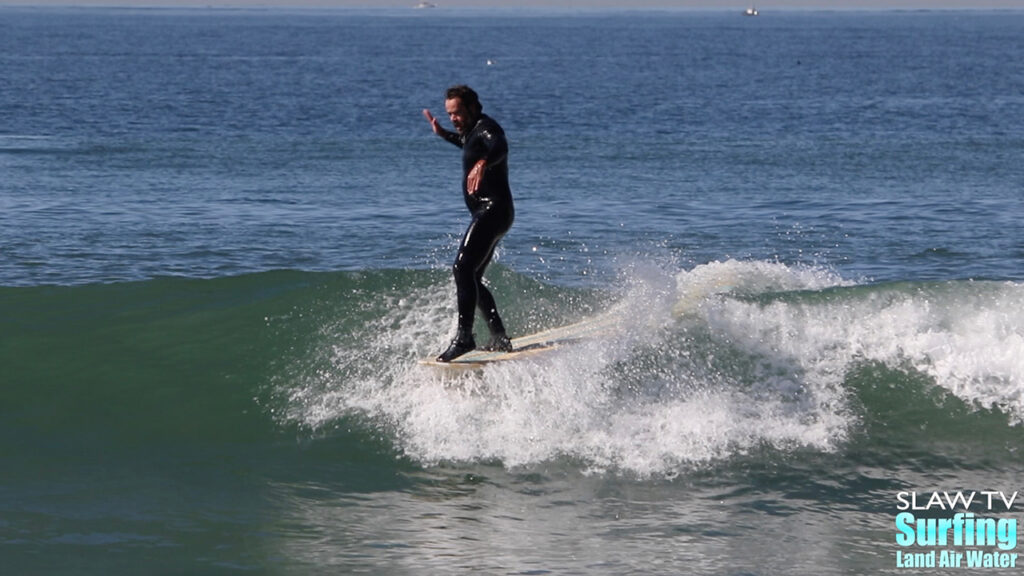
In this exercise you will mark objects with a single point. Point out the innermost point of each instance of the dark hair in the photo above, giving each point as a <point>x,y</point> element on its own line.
<point>467,96</point>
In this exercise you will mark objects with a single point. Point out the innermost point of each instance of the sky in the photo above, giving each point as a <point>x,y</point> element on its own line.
<point>764,6</point>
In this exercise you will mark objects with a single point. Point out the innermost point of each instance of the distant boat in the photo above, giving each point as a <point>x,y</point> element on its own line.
<point>426,5</point>
<point>752,11</point>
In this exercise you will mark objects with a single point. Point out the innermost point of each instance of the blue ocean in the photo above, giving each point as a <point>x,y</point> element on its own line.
<point>226,238</point>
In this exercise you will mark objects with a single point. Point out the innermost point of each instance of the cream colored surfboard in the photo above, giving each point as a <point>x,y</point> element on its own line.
<point>531,345</point>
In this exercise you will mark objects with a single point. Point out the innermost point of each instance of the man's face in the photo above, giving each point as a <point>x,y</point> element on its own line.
<point>459,115</point>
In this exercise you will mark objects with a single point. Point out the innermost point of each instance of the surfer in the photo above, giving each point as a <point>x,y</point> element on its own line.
<point>489,199</point>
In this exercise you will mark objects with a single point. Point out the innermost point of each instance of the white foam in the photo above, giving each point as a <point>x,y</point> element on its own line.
<point>969,337</point>
<point>972,343</point>
<point>755,358</point>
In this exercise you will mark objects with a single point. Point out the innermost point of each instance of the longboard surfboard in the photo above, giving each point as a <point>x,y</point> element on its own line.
<point>533,344</point>
<point>554,338</point>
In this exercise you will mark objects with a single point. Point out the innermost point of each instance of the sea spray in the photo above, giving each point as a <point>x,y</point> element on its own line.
<point>704,365</point>
<point>652,397</point>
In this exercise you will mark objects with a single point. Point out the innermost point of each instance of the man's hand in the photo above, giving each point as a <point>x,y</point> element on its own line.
<point>434,124</point>
<point>476,174</point>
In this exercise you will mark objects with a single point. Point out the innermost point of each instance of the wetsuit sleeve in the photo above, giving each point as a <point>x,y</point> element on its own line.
<point>452,137</point>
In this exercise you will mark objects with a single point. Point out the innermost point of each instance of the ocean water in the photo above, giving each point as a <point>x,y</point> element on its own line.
<point>225,238</point>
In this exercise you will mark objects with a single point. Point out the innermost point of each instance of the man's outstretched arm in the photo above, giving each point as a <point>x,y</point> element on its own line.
<point>452,137</point>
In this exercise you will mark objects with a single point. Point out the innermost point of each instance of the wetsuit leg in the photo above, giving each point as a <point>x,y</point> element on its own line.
<point>475,253</point>
<point>485,301</point>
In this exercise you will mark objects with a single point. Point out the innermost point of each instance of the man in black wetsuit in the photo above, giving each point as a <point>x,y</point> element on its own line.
<point>489,199</point>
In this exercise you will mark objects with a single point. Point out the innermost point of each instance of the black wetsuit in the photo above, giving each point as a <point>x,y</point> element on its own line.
<point>493,212</point>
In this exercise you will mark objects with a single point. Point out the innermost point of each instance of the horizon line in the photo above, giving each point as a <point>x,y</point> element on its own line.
<point>517,6</point>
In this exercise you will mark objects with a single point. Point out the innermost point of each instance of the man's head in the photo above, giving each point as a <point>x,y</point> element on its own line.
<point>463,107</point>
